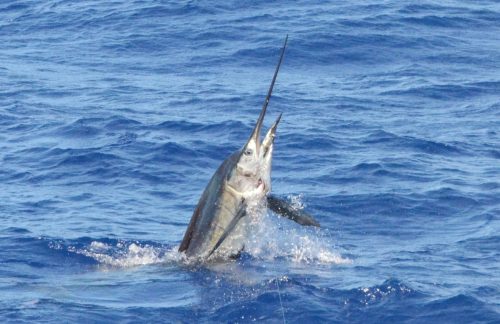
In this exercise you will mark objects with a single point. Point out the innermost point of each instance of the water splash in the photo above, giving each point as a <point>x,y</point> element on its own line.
<point>275,237</point>
<point>124,254</point>
<point>297,201</point>
<point>270,237</point>
<point>293,245</point>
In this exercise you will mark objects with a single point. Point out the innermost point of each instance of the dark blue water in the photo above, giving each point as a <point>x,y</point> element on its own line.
<point>114,115</point>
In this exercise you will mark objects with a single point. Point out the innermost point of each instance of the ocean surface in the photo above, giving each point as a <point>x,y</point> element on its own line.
<point>115,114</point>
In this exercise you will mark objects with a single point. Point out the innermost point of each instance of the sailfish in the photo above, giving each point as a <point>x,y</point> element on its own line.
<point>237,192</point>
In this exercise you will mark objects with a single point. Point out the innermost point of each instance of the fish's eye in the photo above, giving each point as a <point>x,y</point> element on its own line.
<point>248,152</point>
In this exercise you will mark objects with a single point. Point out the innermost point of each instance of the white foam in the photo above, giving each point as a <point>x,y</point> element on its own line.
<point>309,249</point>
<point>98,245</point>
<point>125,254</point>
<point>297,201</point>
<point>272,237</point>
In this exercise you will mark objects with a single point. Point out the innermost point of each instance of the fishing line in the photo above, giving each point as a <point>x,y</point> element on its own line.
<point>281,303</point>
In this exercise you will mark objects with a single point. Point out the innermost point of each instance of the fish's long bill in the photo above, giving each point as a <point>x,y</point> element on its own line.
<point>258,126</point>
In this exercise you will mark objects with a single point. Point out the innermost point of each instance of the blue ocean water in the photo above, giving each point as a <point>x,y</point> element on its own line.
<point>115,114</point>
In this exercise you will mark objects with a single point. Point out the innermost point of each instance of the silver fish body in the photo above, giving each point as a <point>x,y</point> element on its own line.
<point>236,195</point>
<point>237,189</point>
<point>219,205</point>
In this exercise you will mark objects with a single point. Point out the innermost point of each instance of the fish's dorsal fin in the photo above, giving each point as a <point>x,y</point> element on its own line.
<point>285,209</point>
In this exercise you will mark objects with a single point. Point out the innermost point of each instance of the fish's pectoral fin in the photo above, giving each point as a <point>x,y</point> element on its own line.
<point>239,215</point>
<point>283,208</point>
